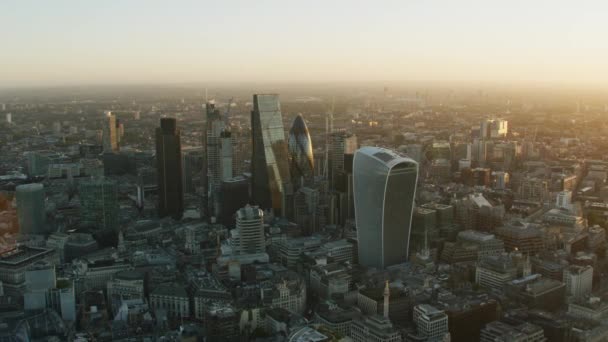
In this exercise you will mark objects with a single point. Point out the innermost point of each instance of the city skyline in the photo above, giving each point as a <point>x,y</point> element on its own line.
<point>519,42</point>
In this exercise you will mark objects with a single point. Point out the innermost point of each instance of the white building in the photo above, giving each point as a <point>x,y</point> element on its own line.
<point>431,323</point>
<point>564,200</point>
<point>578,280</point>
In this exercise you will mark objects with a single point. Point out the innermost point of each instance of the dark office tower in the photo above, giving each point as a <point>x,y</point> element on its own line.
<point>270,164</point>
<point>301,159</point>
<point>340,144</point>
<point>169,169</point>
<point>234,195</point>
<point>385,188</point>
<point>212,141</point>
<point>30,208</point>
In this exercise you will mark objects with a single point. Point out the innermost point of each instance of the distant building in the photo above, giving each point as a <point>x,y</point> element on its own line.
<point>385,186</point>
<point>501,331</point>
<point>494,128</point>
<point>300,152</point>
<point>374,329</point>
<point>431,322</point>
<point>250,227</point>
<point>270,159</point>
<point>578,280</point>
<point>16,261</point>
<point>172,298</point>
<point>110,134</point>
<point>31,210</point>
<point>536,292</point>
<point>495,271</point>
<point>99,203</point>
<point>340,144</point>
<point>169,169</point>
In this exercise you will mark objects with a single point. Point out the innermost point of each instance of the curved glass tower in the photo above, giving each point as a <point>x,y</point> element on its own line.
<point>384,189</point>
<point>300,150</point>
<point>270,165</point>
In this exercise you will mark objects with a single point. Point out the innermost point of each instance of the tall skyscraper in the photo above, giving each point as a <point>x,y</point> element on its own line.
<point>30,208</point>
<point>250,226</point>
<point>302,161</point>
<point>340,143</point>
<point>169,169</point>
<point>226,154</point>
<point>99,203</point>
<point>109,133</point>
<point>385,187</point>
<point>213,131</point>
<point>270,165</point>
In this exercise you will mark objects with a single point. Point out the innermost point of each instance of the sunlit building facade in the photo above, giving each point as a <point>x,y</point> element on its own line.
<point>270,162</point>
<point>300,151</point>
<point>385,187</point>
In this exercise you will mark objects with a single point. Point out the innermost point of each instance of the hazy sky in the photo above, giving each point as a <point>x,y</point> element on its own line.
<point>122,41</point>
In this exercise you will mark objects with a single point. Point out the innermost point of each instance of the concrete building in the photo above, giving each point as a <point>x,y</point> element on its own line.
<point>589,307</point>
<point>250,228</point>
<point>15,261</point>
<point>495,271</point>
<point>500,331</point>
<point>31,210</point>
<point>374,329</point>
<point>430,322</point>
<point>578,280</point>
<point>172,298</point>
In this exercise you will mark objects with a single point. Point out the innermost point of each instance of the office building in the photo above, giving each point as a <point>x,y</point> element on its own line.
<point>501,331</point>
<point>170,297</point>
<point>300,152</point>
<point>536,292</point>
<point>16,261</point>
<point>192,162</point>
<point>169,169</point>
<point>270,158</point>
<point>385,187</point>
<point>578,280</point>
<point>99,203</point>
<point>494,128</point>
<point>250,227</point>
<point>340,145</point>
<point>109,133</point>
<point>214,129</point>
<point>234,195</point>
<point>430,322</point>
<point>374,329</point>
<point>564,200</point>
<point>494,272</point>
<point>31,210</point>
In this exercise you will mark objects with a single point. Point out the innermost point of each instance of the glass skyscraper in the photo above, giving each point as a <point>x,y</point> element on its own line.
<point>300,150</point>
<point>384,189</point>
<point>270,159</point>
<point>30,208</point>
<point>169,169</point>
<point>99,203</point>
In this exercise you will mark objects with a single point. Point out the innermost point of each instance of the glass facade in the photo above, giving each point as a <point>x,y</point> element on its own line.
<point>300,150</point>
<point>270,159</point>
<point>169,169</point>
<point>30,208</point>
<point>384,189</point>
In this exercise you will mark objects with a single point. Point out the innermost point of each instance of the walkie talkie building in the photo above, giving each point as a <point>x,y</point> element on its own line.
<point>384,189</point>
